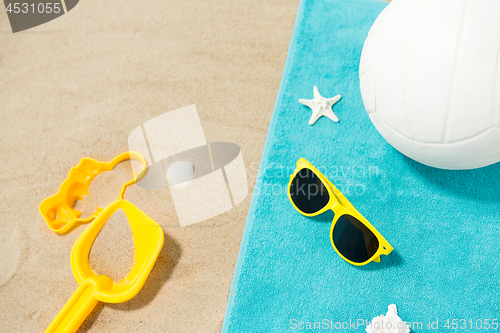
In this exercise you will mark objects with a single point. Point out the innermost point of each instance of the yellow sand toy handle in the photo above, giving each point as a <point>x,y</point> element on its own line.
<point>93,288</point>
<point>79,306</point>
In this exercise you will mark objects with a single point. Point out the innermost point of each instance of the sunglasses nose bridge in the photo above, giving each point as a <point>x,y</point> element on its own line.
<point>335,206</point>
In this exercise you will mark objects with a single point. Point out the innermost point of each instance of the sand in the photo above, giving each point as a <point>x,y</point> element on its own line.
<point>112,252</point>
<point>76,87</point>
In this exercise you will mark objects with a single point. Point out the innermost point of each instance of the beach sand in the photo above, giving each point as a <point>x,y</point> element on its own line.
<point>76,87</point>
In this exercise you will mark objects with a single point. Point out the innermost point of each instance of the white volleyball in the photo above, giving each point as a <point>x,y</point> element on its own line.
<point>430,80</point>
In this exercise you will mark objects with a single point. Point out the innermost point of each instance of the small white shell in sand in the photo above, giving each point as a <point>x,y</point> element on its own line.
<point>390,323</point>
<point>180,174</point>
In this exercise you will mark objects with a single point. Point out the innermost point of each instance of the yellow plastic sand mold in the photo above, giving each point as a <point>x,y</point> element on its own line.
<point>148,239</point>
<point>58,210</point>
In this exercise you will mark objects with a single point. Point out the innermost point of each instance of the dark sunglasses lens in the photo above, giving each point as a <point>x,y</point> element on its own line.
<point>308,192</point>
<point>353,239</point>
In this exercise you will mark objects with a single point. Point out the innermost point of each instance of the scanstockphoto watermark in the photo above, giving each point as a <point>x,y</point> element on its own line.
<point>351,180</point>
<point>456,325</point>
<point>26,14</point>
<point>331,171</point>
<point>328,324</point>
<point>310,190</point>
<point>204,179</point>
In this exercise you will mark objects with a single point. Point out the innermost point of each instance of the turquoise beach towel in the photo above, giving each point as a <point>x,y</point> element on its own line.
<point>444,225</point>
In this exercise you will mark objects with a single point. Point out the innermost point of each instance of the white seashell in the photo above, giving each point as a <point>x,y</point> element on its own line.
<point>180,174</point>
<point>390,323</point>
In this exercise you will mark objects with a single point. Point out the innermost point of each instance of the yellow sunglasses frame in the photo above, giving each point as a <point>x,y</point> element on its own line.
<point>339,204</point>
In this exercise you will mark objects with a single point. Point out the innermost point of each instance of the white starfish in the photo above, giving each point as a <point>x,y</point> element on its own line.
<point>320,106</point>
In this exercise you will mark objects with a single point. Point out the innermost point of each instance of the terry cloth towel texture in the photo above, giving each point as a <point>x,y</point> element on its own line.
<point>444,225</point>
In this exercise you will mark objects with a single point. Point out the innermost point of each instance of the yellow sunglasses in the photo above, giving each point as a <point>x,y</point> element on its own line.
<point>352,236</point>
